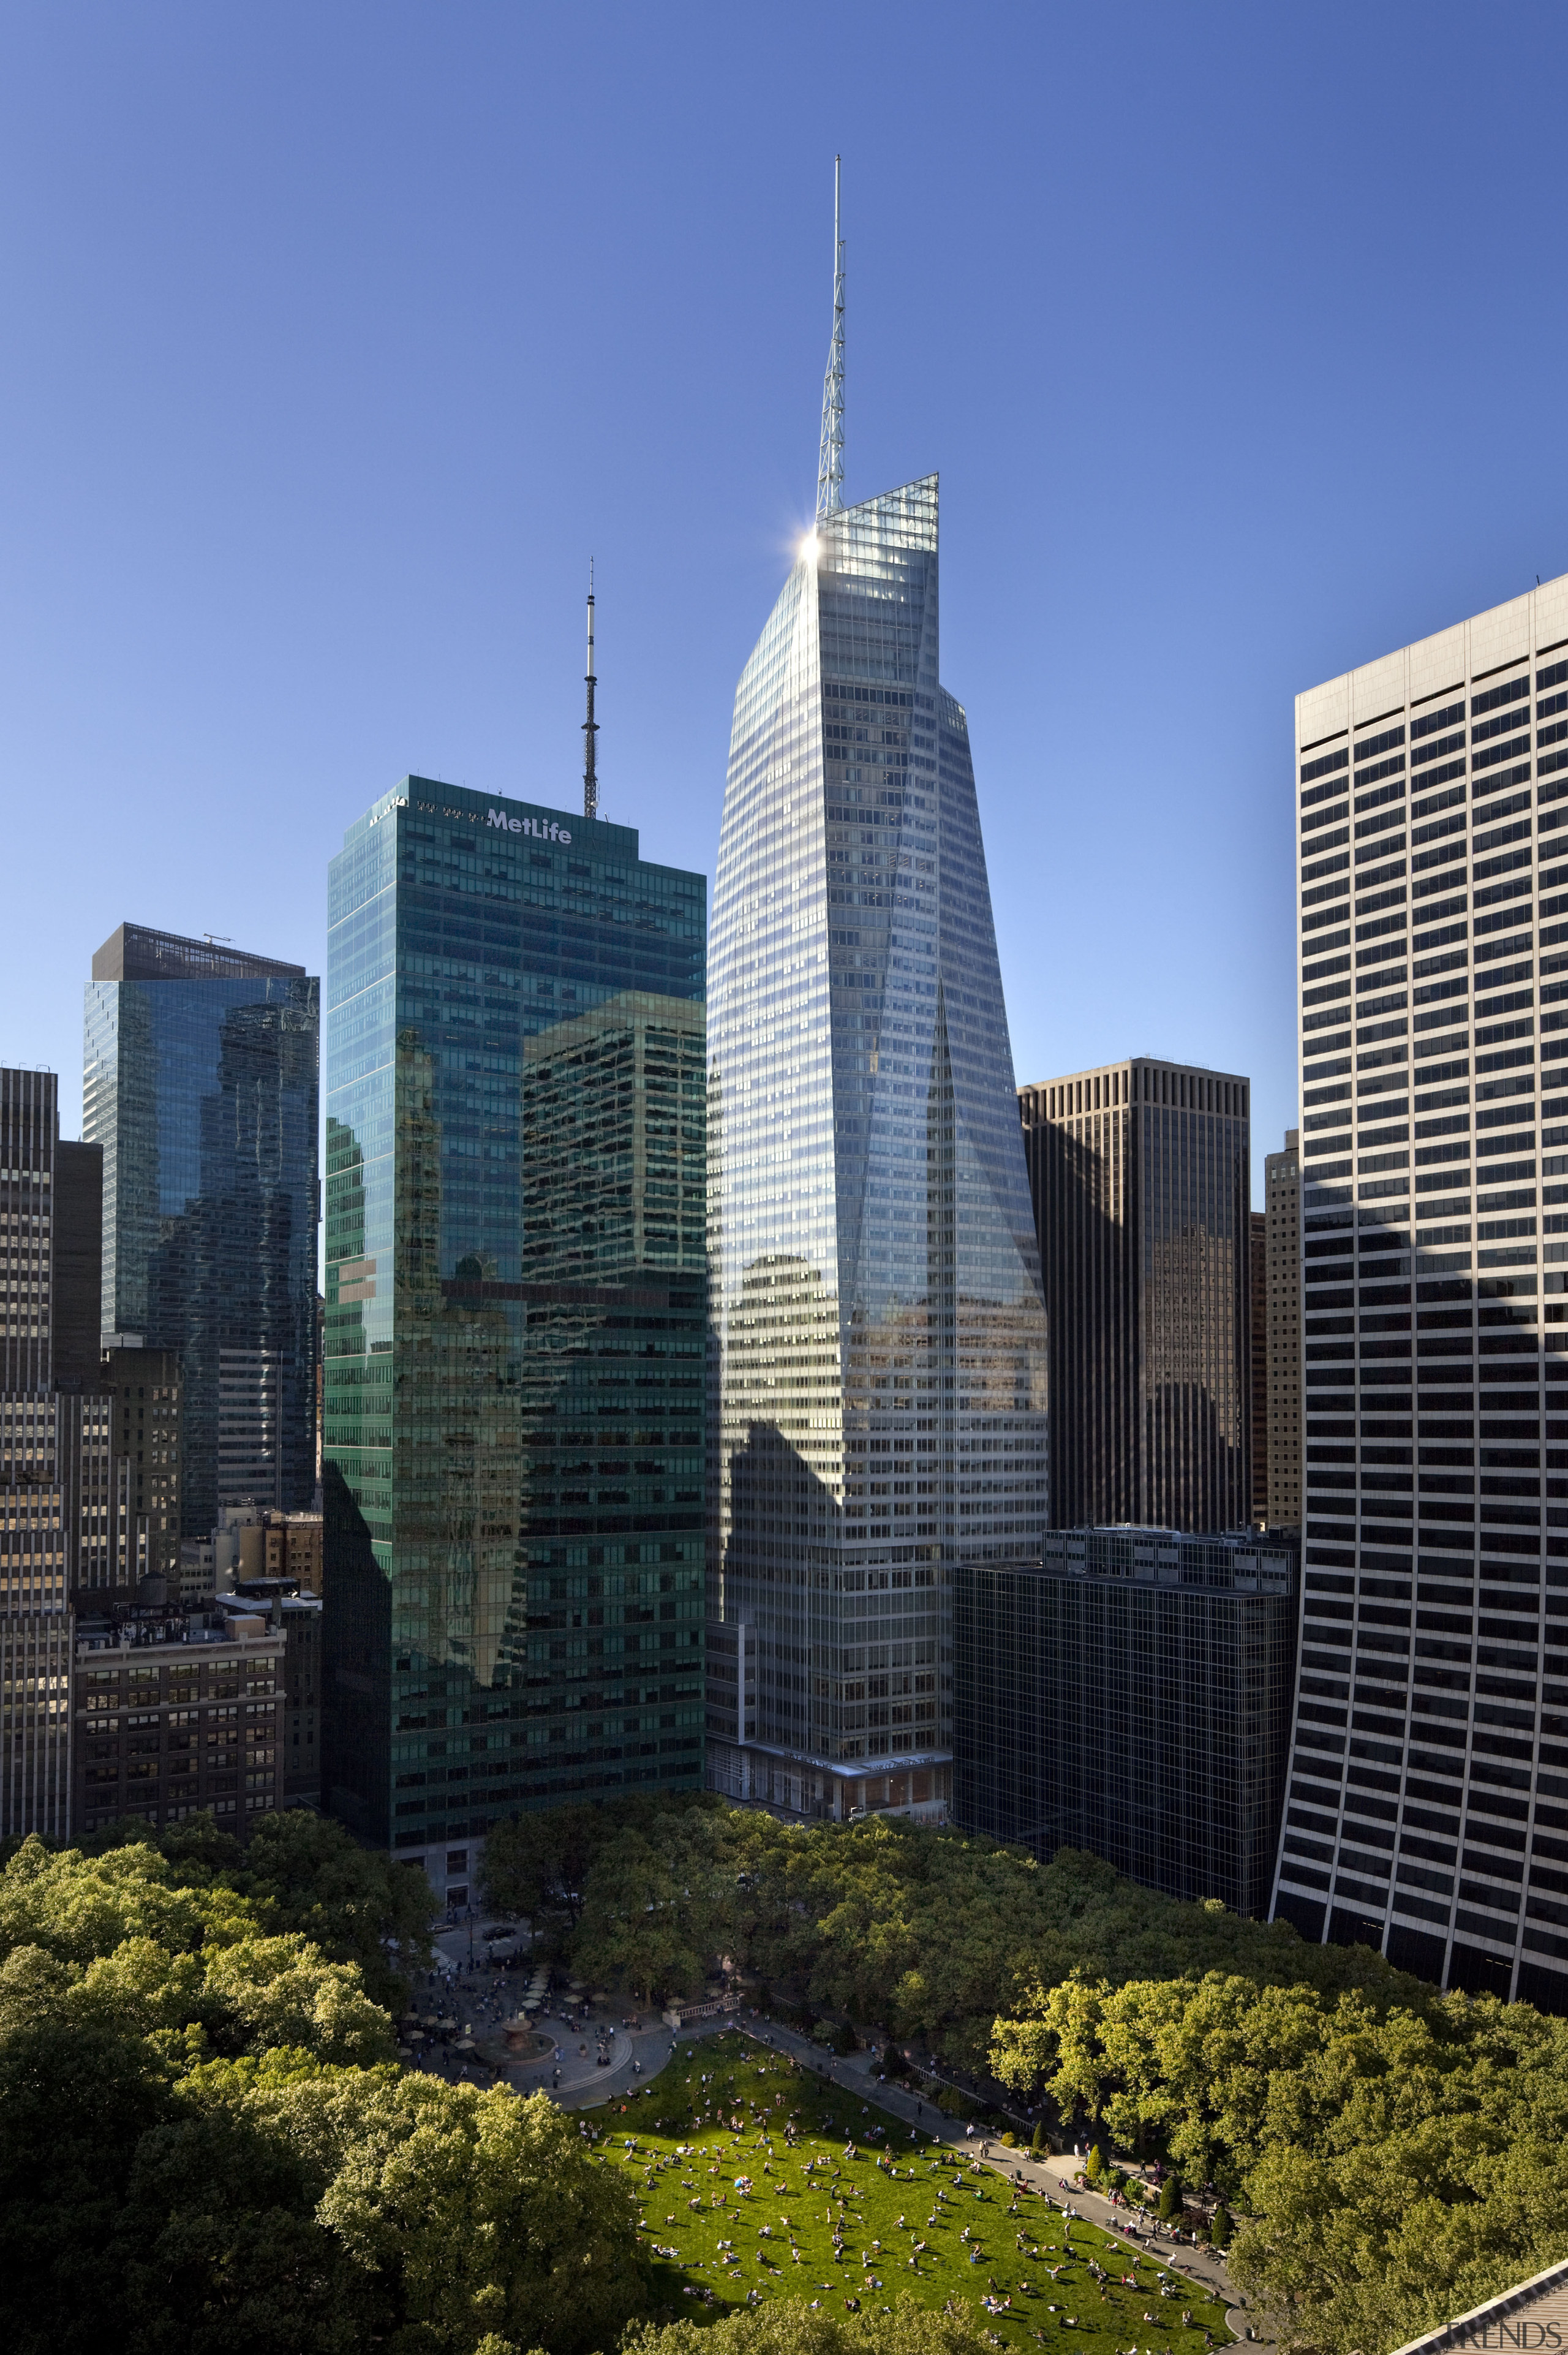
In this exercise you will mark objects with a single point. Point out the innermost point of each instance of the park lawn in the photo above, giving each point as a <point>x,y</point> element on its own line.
<point>684,2140</point>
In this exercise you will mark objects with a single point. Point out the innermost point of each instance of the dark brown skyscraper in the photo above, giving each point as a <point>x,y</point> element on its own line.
<point>54,1444</point>
<point>78,1262</point>
<point>1140,1178</point>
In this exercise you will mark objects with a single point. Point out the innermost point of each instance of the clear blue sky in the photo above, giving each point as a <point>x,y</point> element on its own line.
<point>335,338</point>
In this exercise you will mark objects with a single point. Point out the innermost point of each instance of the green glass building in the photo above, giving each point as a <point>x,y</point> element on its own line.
<point>515,1318</point>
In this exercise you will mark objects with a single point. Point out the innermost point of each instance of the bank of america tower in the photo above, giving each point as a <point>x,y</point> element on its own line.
<point>879,1329</point>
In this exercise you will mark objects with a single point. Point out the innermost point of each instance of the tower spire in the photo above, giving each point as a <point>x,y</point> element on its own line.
<point>830,456</point>
<point>591,725</point>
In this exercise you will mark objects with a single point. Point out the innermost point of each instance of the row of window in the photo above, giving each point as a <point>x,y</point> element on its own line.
<point>1492,698</point>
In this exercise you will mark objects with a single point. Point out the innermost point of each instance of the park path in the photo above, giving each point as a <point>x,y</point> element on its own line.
<point>583,2084</point>
<point>1055,2175</point>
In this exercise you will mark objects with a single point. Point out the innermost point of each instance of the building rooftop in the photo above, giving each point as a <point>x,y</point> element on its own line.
<point>1533,2316</point>
<point>158,1628</point>
<point>1124,1063</point>
<point>138,953</point>
<point>1243,1560</point>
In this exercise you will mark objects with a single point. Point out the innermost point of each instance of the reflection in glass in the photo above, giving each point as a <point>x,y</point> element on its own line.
<point>202,1086</point>
<point>515,1318</point>
<point>879,1348</point>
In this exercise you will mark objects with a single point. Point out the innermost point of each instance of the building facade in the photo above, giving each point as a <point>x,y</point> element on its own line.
<point>175,1714</point>
<point>1140,1174</point>
<point>202,1088</point>
<point>1428,1806</point>
<point>300,1728</point>
<point>1258,1413</point>
<point>878,1361</point>
<point>515,1318</point>
<point>299,1725</point>
<point>1283,1337</point>
<point>78,1265</point>
<point>1131,1694</point>
<point>251,1543</point>
<point>43,1480</point>
<point>145,1393</point>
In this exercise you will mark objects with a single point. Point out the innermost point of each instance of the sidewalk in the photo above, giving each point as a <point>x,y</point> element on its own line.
<point>485,2000</point>
<point>584,2086</point>
<point>856,2073</point>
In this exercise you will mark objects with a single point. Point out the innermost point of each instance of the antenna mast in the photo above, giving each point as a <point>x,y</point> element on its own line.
<point>830,456</point>
<point>591,725</point>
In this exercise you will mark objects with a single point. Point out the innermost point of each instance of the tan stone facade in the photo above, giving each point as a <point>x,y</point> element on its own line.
<point>1282,1284</point>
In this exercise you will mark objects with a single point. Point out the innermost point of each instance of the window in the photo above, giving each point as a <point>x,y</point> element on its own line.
<point>1496,696</point>
<point>1325,767</point>
<point>1444,746</point>
<point>1431,722</point>
<point>1392,768</point>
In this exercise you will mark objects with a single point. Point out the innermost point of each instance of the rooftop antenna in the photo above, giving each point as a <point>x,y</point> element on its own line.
<point>591,725</point>
<point>830,456</point>
<point>213,938</point>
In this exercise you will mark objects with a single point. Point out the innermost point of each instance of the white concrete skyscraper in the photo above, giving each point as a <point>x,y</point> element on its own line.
<point>1428,1805</point>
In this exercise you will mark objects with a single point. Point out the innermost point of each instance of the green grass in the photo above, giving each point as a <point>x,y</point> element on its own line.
<point>690,2203</point>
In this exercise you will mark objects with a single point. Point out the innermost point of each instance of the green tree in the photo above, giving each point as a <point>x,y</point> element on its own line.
<point>116,1983</point>
<point>539,1864</point>
<point>789,2327</point>
<point>304,1874</point>
<point>1171,2199</point>
<point>379,2208</point>
<point>358,1906</point>
<point>483,2212</point>
<point>75,2101</point>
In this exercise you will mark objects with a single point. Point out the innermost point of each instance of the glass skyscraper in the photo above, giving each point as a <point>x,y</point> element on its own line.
<point>1130,1694</point>
<point>515,1319</point>
<point>202,1087</point>
<point>879,1345</point>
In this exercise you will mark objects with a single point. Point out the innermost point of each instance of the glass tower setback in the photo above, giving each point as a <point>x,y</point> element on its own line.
<point>879,1336</point>
<point>1428,1803</point>
<point>202,1086</point>
<point>515,1319</point>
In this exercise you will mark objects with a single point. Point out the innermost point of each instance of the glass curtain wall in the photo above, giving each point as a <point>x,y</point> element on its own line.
<point>515,1319</point>
<point>204,1095</point>
<point>879,1337</point>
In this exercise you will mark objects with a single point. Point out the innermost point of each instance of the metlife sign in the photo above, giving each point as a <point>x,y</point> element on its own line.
<point>498,821</point>
<point>505,825</point>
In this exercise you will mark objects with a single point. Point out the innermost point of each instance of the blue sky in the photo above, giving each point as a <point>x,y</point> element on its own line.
<point>336,339</point>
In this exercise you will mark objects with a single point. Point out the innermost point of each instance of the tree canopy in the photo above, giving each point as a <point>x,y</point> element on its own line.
<point>787,2326</point>
<point>1396,2155</point>
<point>1396,2162</point>
<point>931,1933</point>
<point>206,2143</point>
<point>304,1872</point>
